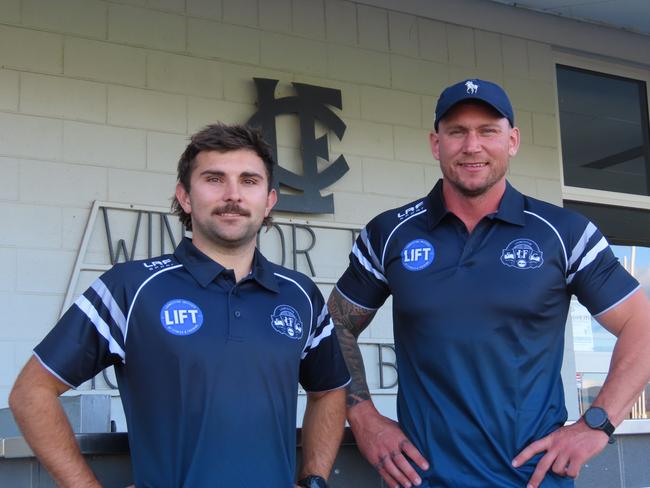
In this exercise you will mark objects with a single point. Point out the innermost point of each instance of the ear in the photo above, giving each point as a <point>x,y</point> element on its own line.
<point>183,198</point>
<point>434,142</point>
<point>513,142</point>
<point>271,200</point>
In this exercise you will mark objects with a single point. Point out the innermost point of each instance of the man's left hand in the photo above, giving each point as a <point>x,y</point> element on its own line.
<point>567,449</point>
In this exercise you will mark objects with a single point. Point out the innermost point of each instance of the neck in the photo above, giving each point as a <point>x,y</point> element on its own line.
<point>239,259</point>
<point>470,210</point>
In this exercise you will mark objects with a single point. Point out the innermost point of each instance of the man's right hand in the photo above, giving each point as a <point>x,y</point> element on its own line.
<point>385,446</point>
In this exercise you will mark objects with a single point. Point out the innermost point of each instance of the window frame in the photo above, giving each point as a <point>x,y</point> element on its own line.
<point>588,195</point>
<point>587,361</point>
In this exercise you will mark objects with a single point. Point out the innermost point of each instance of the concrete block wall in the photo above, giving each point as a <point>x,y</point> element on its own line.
<point>97,98</point>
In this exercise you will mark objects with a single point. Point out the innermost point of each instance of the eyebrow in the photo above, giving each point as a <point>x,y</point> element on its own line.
<point>482,126</point>
<point>245,174</point>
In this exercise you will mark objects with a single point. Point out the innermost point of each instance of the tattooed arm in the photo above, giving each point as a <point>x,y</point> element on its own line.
<point>350,320</point>
<point>379,438</point>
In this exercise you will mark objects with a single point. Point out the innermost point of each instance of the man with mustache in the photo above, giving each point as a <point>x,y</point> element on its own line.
<point>481,278</point>
<point>208,344</point>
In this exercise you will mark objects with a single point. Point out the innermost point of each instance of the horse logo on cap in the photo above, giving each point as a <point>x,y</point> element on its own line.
<point>472,87</point>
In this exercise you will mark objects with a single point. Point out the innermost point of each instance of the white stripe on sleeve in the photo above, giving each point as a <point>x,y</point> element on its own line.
<point>589,257</point>
<point>101,326</point>
<point>325,333</point>
<point>582,244</point>
<point>366,264</point>
<point>112,306</point>
<point>371,251</point>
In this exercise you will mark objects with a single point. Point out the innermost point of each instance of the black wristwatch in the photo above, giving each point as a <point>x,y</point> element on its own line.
<point>313,481</point>
<point>597,419</point>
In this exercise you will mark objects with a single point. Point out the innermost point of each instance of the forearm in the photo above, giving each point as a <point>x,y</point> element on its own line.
<point>350,320</point>
<point>322,431</point>
<point>629,370</point>
<point>628,374</point>
<point>46,429</point>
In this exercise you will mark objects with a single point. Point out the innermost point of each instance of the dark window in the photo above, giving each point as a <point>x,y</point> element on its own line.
<point>621,225</point>
<point>604,131</point>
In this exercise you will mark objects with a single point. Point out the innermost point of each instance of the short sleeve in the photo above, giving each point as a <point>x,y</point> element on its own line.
<point>595,276</point>
<point>89,337</point>
<point>364,282</point>
<point>322,367</point>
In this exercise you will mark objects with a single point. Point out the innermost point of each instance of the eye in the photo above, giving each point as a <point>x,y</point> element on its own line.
<point>250,181</point>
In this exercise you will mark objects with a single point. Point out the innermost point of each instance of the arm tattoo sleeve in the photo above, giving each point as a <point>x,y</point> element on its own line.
<point>350,320</point>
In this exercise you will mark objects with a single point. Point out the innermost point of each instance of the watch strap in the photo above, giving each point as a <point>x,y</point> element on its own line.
<point>313,481</point>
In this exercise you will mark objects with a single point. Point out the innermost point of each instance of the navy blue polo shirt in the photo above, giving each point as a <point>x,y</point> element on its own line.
<point>207,368</point>
<point>479,325</point>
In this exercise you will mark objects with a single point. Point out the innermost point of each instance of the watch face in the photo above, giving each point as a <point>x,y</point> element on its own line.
<point>313,482</point>
<point>595,417</point>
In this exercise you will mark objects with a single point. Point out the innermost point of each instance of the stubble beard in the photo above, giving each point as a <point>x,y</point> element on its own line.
<point>473,192</point>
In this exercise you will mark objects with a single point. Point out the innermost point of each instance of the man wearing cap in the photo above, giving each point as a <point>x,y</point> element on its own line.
<point>481,278</point>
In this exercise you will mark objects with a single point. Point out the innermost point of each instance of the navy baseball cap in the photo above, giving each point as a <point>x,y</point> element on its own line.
<point>474,89</point>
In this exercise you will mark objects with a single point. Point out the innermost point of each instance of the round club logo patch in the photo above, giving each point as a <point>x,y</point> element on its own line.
<point>181,317</point>
<point>286,320</point>
<point>522,254</point>
<point>417,255</point>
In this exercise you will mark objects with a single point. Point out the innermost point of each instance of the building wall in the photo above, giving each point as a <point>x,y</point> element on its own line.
<point>97,99</point>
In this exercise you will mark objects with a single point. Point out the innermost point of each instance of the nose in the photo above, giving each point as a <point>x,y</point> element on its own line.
<point>232,191</point>
<point>472,143</point>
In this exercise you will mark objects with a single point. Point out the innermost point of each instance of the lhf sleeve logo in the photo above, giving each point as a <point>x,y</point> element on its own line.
<point>310,104</point>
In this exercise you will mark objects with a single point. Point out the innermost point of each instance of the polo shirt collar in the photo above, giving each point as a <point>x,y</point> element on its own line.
<point>263,272</point>
<point>204,269</point>
<point>511,207</point>
<point>437,208</point>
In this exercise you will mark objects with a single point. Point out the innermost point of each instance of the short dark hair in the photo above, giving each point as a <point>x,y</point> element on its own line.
<point>223,138</point>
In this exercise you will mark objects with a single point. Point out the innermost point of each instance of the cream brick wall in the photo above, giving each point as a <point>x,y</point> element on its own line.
<point>54,96</point>
<point>184,74</point>
<point>104,145</point>
<point>341,21</point>
<point>10,11</point>
<point>218,40</point>
<point>146,27</point>
<point>147,109</point>
<point>9,81</point>
<point>98,97</point>
<point>103,61</point>
<point>403,34</point>
<point>28,136</point>
<point>308,18</point>
<point>86,18</point>
<point>276,16</point>
<point>10,179</point>
<point>208,9</point>
<point>31,50</point>
<point>61,184</point>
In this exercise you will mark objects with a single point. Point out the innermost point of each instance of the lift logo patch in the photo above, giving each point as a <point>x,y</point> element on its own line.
<point>286,321</point>
<point>417,255</point>
<point>522,254</point>
<point>181,317</point>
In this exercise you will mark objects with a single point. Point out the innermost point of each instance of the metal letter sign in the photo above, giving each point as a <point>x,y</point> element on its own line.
<point>310,104</point>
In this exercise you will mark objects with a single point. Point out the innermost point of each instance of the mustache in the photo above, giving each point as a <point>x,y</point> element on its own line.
<point>231,208</point>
